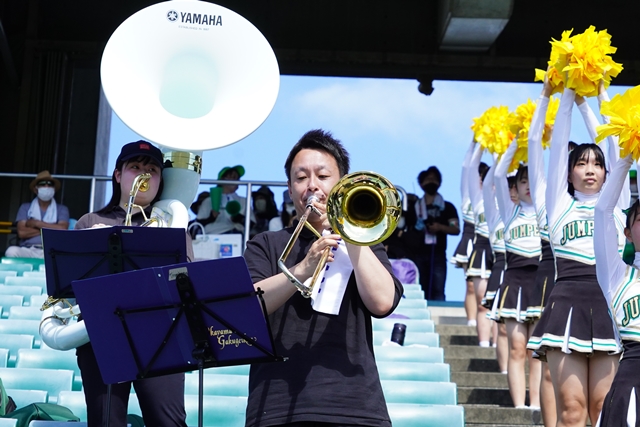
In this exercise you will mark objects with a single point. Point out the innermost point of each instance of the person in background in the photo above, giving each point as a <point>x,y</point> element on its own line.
<point>195,206</point>
<point>436,219</point>
<point>287,214</point>
<point>227,214</point>
<point>264,209</point>
<point>42,212</point>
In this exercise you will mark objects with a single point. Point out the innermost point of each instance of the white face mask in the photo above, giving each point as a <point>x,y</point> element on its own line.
<point>260,205</point>
<point>46,193</point>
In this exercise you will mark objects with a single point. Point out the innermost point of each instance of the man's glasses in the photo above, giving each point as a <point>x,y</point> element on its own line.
<point>45,184</point>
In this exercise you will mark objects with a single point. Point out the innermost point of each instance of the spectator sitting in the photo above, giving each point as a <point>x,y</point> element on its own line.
<point>224,219</point>
<point>264,208</point>
<point>287,215</point>
<point>41,212</point>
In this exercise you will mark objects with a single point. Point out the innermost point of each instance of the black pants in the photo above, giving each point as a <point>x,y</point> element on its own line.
<point>161,398</point>
<point>432,265</point>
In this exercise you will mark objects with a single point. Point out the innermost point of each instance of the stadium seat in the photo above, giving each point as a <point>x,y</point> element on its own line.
<point>410,313</point>
<point>41,282</point>
<point>409,354</point>
<point>4,357</point>
<point>35,273</point>
<point>233,370</point>
<point>218,385</point>
<point>51,380</point>
<point>50,359</point>
<point>18,268</point>
<point>218,411</point>
<point>25,313</point>
<point>421,392</point>
<point>27,397</point>
<point>8,422</point>
<point>13,343</point>
<point>37,300</point>
<point>412,303</point>
<point>431,339</point>
<point>34,262</point>
<point>74,400</point>
<point>7,273</point>
<point>411,415</point>
<point>413,325</point>
<point>413,293</point>
<point>414,371</point>
<point>25,291</point>
<point>7,301</point>
<point>14,326</point>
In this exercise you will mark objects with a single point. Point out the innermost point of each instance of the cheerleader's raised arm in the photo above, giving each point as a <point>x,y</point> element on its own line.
<point>489,196</point>
<point>506,206</point>
<point>557,195</point>
<point>464,181</point>
<point>610,268</point>
<point>474,184</point>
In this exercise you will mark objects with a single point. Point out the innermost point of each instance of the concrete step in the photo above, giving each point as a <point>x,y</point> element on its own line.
<point>472,365</point>
<point>471,352</point>
<point>462,330</point>
<point>480,379</point>
<point>494,414</point>
<point>484,396</point>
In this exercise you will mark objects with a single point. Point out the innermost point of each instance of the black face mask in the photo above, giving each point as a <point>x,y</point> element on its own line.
<point>431,188</point>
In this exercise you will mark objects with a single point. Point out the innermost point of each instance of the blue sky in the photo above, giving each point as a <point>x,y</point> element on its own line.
<point>386,125</point>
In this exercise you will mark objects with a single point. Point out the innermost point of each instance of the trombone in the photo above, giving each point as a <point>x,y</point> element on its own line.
<point>363,208</point>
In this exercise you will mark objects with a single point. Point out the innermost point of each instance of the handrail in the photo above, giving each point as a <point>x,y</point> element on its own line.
<point>248,184</point>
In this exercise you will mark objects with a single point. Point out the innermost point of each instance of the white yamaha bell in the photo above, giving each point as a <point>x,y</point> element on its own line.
<point>189,76</point>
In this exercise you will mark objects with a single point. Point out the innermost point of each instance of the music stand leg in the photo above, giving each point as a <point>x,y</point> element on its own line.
<point>200,391</point>
<point>108,417</point>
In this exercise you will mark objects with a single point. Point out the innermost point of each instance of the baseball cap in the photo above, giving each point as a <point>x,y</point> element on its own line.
<point>238,168</point>
<point>140,148</point>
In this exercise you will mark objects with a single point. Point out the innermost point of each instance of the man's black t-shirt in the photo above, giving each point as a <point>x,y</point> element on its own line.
<point>330,375</point>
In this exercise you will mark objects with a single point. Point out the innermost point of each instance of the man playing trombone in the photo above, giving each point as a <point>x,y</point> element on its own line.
<point>330,376</point>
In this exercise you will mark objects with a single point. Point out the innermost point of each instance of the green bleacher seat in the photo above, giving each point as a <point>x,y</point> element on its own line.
<point>411,415</point>
<point>413,325</point>
<point>50,359</point>
<point>414,371</point>
<point>13,343</point>
<point>413,293</point>
<point>411,313</point>
<point>74,400</point>
<point>28,312</point>
<point>7,301</point>
<point>4,357</point>
<point>41,282</point>
<point>409,354</point>
<point>411,303</point>
<point>8,422</point>
<point>218,385</point>
<point>37,300</point>
<point>233,370</point>
<point>18,268</point>
<point>422,392</point>
<point>7,273</point>
<point>14,326</point>
<point>218,411</point>
<point>34,262</point>
<point>431,339</point>
<point>27,397</point>
<point>51,380</point>
<point>36,273</point>
<point>25,291</point>
<point>412,286</point>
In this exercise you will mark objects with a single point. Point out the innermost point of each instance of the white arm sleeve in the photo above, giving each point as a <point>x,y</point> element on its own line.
<point>505,205</point>
<point>610,268</point>
<point>537,180</point>
<point>464,180</point>
<point>557,184</point>
<point>475,188</point>
<point>489,197</point>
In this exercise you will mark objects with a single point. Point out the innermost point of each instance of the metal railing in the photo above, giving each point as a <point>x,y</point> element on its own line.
<point>249,184</point>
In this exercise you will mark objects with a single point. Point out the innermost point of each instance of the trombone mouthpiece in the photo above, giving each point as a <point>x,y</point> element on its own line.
<point>312,199</point>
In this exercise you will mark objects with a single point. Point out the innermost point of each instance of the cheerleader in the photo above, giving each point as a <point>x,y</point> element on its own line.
<point>465,247</point>
<point>496,238</point>
<point>620,285</point>
<point>481,259</point>
<point>575,333</point>
<point>522,243</point>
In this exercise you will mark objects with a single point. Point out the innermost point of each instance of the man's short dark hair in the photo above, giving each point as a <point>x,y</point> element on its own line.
<point>431,171</point>
<point>319,139</point>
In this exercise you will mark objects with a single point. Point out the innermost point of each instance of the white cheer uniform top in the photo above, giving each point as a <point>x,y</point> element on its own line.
<point>475,193</point>
<point>619,282</point>
<point>521,235</point>
<point>571,219</point>
<point>466,206</point>
<point>494,220</point>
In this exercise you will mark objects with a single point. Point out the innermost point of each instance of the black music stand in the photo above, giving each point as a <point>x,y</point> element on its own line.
<point>175,318</point>
<point>81,254</point>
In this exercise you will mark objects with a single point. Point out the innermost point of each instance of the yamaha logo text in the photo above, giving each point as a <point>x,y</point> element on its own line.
<point>194,18</point>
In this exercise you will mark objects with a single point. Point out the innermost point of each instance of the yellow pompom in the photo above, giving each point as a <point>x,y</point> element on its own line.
<point>624,113</point>
<point>583,60</point>
<point>491,130</point>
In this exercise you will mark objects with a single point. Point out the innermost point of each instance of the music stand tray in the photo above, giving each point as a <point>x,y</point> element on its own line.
<point>80,254</point>
<point>175,318</point>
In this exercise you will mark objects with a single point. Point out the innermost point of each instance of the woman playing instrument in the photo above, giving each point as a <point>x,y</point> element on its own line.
<point>575,332</point>
<point>161,398</point>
